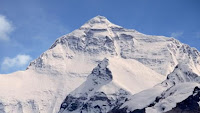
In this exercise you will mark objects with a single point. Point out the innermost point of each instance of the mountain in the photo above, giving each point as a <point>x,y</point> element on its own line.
<point>100,38</point>
<point>103,67</point>
<point>109,85</point>
<point>179,91</point>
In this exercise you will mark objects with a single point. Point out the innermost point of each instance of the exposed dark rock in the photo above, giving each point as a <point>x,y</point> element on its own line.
<point>2,110</point>
<point>124,110</point>
<point>189,105</point>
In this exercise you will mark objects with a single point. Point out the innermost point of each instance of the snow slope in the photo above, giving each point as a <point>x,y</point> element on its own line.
<point>31,92</point>
<point>114,83</point>
<point>134,58</point>
<point>170,96</point>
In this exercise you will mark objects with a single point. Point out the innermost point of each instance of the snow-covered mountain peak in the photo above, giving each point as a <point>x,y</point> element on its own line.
<point>98,22</point>
<point>101,74</point>
<point>74,67</point>
<point>99,38</point>
<point>182,73</point>
<point>109,85</point>
<point>186,68</point>
<point>99,19</point>
<point>104,63</point>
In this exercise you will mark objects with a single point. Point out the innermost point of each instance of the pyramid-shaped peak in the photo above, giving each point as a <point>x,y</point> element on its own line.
<point>104,63</point>
<point>182,73</point>
<point>186,68</point>
<point>99,22</point>
<point>99,19</point>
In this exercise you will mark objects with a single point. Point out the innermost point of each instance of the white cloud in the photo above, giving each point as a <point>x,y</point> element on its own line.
<point>5,28</point>
<point>19,61</point>
<point>176,34</point>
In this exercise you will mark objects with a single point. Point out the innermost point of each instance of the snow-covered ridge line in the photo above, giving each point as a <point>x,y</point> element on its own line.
<point>107,87</point>
<point>137,63</point>
<point>100,38</point>
<point>173,95</point>
<point>77,99</point>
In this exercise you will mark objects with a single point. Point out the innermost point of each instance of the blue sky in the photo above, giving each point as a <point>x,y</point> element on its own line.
<point>29,27</point>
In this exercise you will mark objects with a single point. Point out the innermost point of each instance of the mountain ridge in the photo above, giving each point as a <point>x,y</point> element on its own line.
<point>139,64</point>
<point>129,44</point>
